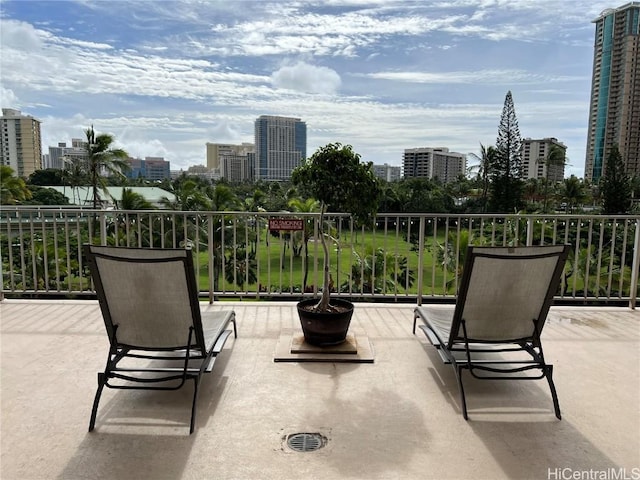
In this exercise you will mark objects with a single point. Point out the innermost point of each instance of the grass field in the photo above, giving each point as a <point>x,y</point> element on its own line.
<point>279,270</point>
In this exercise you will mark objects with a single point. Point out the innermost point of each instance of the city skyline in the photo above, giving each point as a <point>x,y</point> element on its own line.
<point>167,77</point>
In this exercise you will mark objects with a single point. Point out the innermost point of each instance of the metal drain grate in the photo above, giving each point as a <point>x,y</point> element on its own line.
<point>306,442</point>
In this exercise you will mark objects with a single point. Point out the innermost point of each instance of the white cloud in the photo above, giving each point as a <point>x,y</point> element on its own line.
<point>141,148</point>
<point>502,77</point>
<point>8,99</point>
<point>87,67</point>
<point>167,77</point>
<point>17,34</point>
<point>303,77</point>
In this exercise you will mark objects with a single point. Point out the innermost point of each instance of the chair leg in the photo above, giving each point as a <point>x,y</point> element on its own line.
<point>196,381</point>
<point>235,329</point>
<point>94,411</point>
<point>463,400</point>
<point>554,395</point>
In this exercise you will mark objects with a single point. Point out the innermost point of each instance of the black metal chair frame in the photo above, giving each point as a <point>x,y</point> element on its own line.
<point>193,351</point>
<point>465,353</point>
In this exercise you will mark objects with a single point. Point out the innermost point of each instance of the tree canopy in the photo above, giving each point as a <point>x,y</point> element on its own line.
<point>13,189</point>
<point>615,185</point>
<point>335,176</point>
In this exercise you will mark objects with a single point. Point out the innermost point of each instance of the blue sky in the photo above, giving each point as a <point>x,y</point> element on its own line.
<point>167,76</point>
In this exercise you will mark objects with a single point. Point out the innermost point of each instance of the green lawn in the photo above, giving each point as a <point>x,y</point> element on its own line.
<point>283,272</point>
<point>278,268</point>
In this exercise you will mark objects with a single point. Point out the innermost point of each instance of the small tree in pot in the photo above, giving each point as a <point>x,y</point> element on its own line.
<point>334,176</point>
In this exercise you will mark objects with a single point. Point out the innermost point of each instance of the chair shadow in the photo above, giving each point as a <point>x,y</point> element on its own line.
<point>145,433</point>
<point>516,422</point>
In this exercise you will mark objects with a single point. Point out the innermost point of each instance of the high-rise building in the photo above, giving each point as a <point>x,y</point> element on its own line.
<point>20,143</point>
<point>535,159</point>
<point>281,145</point>
<point>62,157</point>
<point>151,168</point>
<point>235,163</point>
<point>436,163</point>
<point>198,171</point>
<point>387,172</point>
<point>614,115</point>
<point>215,152</point>
<point>238,168</point>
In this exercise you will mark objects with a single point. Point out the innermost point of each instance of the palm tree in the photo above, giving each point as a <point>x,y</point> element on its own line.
<point>73,175</point>
<point>390,201</point>
<point>136,227</point>
<point>12,189</point>
<point>531,190</point>
<point>376,271</point>
<point>555,157</point>
<point>572,192</point>
<point>453,253</point>
<point>254,203</point>
<point>133,201</point>
<point>223,198</point>
<point>189,196</point>
<point>486,158</point>
<point>103,158</point>
<point>241,268</point>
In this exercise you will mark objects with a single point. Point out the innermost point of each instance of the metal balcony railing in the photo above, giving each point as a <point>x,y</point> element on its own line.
<point>408,257</point>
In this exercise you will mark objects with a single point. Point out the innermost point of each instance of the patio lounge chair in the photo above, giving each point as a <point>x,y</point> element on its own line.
<point>493,330</point>
<point>158,336</point>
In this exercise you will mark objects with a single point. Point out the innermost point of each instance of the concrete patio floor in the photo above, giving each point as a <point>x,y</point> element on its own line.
<point>397,418</point>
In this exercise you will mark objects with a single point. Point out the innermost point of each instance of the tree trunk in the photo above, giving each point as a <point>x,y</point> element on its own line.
<point>323,305</point>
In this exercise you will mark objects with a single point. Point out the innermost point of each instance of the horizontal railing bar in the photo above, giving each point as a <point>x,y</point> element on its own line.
<point>397,258</point>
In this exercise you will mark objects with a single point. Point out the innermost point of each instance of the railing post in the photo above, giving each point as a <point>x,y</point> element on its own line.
<point>420,258</point>
<point>530,231</point>
<point>1,265</point>
<point>635,268</point>
<point>103,228</point>
<point>210,243</point>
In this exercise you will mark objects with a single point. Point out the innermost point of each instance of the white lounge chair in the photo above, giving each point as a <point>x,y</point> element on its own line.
<point>493,330</point>
<point>158,336</point>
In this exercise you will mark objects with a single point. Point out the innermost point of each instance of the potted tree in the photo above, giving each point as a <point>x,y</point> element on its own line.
<point>335,177</point>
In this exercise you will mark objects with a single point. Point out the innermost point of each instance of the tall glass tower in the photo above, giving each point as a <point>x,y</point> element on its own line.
<point>281,145</point>
<point>614,115</point>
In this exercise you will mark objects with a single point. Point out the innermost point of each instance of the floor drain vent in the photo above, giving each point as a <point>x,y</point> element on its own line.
<point>306,442</point>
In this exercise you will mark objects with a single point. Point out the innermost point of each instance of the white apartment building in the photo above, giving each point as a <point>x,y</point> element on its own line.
<point>535,154</point>
<point>20,142</point>
<point>436,163</point>
<point>388,172</point>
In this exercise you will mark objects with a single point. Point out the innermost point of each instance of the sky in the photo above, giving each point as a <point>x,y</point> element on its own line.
<point>167,76</point>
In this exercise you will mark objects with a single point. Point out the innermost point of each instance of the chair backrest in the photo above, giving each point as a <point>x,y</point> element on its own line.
<point>151,296</point>
<point>505,292</point>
